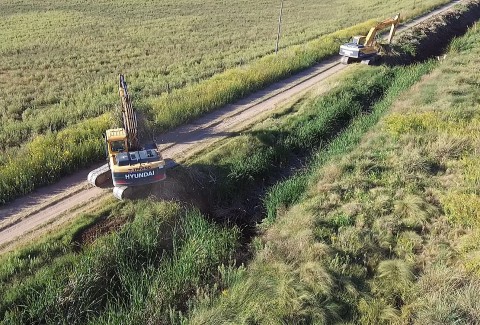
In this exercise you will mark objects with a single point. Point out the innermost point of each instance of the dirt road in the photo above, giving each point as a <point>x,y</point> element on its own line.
<point>29,213</point>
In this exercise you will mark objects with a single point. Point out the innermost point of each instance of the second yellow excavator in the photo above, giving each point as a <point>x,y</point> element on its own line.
<point>365,49</point>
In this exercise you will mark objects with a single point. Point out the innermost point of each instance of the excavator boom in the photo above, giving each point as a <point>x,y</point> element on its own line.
<point>129,116</point>
<point>392,22</point>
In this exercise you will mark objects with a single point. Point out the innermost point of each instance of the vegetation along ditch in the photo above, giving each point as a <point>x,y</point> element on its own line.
<point>386,233</point>
<point>153,267</point>
<point>170,263</point>
<point>60,151</point>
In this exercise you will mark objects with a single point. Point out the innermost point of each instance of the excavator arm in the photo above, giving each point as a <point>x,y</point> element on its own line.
<point>392,22</point>
<point>129,116</point>
<point>364,48</point>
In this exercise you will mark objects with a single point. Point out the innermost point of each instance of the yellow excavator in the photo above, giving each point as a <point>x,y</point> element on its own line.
<point>129,164</point>
<point>365,49</point>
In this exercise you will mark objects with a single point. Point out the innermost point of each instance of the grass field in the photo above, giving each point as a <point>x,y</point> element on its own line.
<point>147,278</point>
<point>59,60</point>
<point>383,234</point>
<point>59,64</point>
<point>148,270</point>
<point>386,234</point>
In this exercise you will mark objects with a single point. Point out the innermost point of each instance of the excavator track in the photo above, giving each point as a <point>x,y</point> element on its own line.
<point>99,176</point>
<point>122,192</point>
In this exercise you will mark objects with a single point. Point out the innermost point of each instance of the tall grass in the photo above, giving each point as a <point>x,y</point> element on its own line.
<point>292,239</point>
<point>50,156</point>
<point>286,193</point>
<point>391,242</point>
<point>266,150</point>
<point>146,272</point>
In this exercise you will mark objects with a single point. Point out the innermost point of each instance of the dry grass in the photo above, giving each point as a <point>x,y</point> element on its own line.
<point>394,242</point>
<point>447,296</point>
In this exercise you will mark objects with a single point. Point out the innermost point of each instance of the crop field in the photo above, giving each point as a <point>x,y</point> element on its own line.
<point>59,60</point>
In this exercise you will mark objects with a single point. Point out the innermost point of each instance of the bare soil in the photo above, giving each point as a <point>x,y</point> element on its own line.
<point>102,227</point>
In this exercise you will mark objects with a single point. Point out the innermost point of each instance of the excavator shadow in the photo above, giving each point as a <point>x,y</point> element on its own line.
<point>107,184</point>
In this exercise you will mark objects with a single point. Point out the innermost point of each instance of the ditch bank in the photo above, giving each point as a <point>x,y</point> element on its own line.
<point>431,38</point>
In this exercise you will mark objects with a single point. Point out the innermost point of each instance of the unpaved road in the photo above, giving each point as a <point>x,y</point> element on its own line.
<point>43,206</point>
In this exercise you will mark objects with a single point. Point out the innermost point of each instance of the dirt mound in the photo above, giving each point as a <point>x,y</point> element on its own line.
<point>102,227</point>
<point>431,37</point>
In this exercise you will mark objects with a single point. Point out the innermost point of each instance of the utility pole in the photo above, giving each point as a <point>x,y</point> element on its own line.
<point>279,27</point>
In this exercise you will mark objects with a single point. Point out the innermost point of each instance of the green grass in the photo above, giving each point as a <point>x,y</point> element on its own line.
<point>48,157</point>
<point>126,276</point>
<point>55,97</point>
<point>380,233</point>
<point>149,270</point>
<point>265,152</point>
<point>346,251</point>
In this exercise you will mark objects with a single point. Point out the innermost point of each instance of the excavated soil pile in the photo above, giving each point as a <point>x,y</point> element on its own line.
<point>102,227</point>
<point>431,37</point>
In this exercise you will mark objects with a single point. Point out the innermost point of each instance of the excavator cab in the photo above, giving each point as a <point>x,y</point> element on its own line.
<point>116,141</point>
<point>359,40</point>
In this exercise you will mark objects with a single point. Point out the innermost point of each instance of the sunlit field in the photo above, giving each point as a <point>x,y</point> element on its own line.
<point>59,59</point>
<point>59,64</point>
